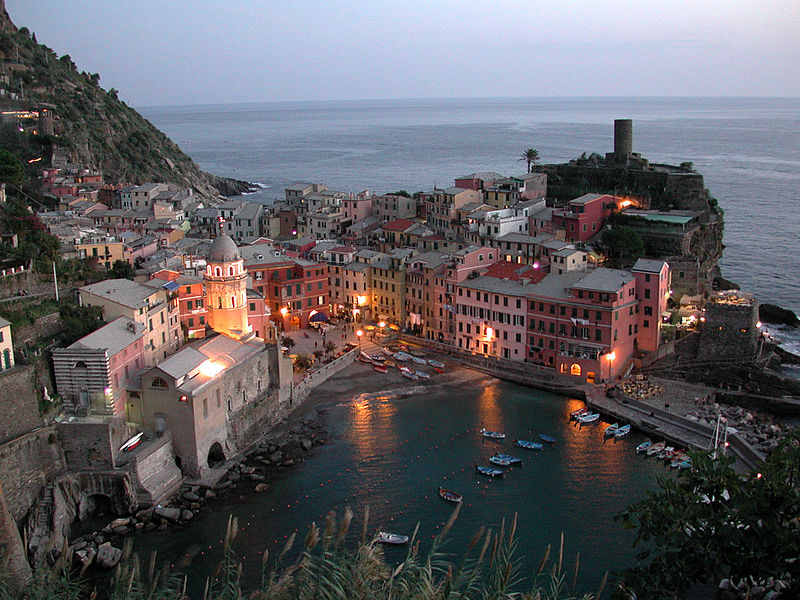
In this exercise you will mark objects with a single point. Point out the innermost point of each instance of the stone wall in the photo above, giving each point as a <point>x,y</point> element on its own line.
<point>92,444</point>
<point>27,463</point>
<point>729,331</point>
<point>19,403</point>
<point>156,474</point>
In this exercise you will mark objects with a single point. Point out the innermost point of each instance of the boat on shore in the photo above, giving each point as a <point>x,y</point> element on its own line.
<point>385,537</point>
<point>588,418</point>
<point>380,368</point>
<point>423,374</point>
<point>131,443</point>
<point>489,471</point>
<point>624,430</point>
<point>436,363</point>
<point>450,495</point>
<point>493,435</point>
<point>409,374</point>
<point>530,445</point>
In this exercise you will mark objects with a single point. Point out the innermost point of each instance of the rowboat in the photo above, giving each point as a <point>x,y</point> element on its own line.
<point>439,370</point>
<point>611,430</point>
<point>624,430</point>
<point>494,435</point>
<point>423,375</point>
<point>514,460</point>
<point>389,363</point>
<point>418,360</point>
<point>377,358</point>
<point>132,442</point>
<point>391,538</point>
<point>435,363</point>
<point>547,438</point>
<point>589,418</point>
<point>401,356</point>
<point>410,375</point>
<point>578,413</point>
<point>380,368</point>
<point>489,471</point>
<point>450,495</point>
<point>499,461</point>
<point>662,454</point>
<point>643,446</point>
<point>655,448</point>
<point>529,445</point>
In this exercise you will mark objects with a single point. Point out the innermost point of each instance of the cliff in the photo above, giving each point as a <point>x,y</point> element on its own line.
<point>97,128</point>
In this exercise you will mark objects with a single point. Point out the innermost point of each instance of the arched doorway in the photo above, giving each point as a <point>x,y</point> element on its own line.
<point>215,455</point>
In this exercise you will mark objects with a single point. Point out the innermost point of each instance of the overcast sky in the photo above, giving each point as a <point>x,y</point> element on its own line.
<point>213,51</point>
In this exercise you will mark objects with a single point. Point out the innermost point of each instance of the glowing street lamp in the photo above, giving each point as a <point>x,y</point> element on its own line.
<point>359,333</point>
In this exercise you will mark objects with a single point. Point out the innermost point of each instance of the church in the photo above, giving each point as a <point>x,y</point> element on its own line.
<point>216,396</point>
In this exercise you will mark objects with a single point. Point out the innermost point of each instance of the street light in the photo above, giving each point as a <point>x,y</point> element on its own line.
<point>359,333</point>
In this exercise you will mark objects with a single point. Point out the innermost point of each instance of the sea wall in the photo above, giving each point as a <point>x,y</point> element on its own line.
<point>19,397</point>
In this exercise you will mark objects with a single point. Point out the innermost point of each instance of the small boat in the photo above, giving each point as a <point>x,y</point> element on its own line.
<point>450,495</point>
<point>494,435</point>
<point>439,370</point>
<point>423,374</point>
<point>132,442</point>
<point>624,430</point>
<point>417,353</point>
<point>401,356</point>
<point>677,459</point>
<point>501,462</point>
<point>547,438</point>
<point>391,538</point>
<point>418,360</point>
<point>410,375</point>
<point>435,363</point>
<point>611,430</point>
<point>489,471</point>
<point>387,351</point>
<point>589,418</point>
<point>389,363</point>
<point>666,451</point>
<point>380,368</point>
<point>578,413</point>
<point>529,445</point>
<point>512,460</point>
<point>643,446</point>
<point>655,448</point>
<point>686,464</point>
<point>377,358</point>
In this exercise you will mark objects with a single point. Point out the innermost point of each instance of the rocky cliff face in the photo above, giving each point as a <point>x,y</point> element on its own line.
<point>95,126</point>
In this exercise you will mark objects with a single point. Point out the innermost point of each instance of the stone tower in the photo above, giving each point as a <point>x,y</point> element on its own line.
<point>623,137</point>
<point>226,290</point>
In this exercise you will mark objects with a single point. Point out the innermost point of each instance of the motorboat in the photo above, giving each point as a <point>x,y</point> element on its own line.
<point>489,471</point>
<point>529,445</point>
<point>494,435</point>
<point>391,538</point>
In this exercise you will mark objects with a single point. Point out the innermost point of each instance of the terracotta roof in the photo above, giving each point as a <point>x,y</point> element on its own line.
<point>399,225</point>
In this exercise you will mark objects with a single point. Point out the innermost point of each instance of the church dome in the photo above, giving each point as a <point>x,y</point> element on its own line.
<point>223,249</point>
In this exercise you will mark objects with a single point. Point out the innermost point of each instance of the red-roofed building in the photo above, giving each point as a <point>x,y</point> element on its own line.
<point>516,272</point>
<point>583,218</point>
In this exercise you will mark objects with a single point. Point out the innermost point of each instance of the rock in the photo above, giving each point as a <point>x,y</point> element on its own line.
<point>107,556</point>
<point>121,530</point>
<point>256,477</point>
<point>139,526</point>
<point>210,495</point>
<point>223,485</point>
<point>769,313</point>
<point>306,444</point>
<point>247,470</point>
<point>170,514</point>
<point>85,557</point>
<point>163,526</point>
<point>145,515</point>
<point>78,545</point>
<point>150,526</point>
<point>186,515</point>
<point>233,476</point>
<point>276,456</point>
<point>119,522</point>
<point>190,497</point>
<point>262,487</point>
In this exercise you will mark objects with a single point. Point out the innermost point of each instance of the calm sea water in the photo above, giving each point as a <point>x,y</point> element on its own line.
<point>392,453</point>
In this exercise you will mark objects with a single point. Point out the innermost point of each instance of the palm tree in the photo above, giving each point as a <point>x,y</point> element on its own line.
<point>530,156</point>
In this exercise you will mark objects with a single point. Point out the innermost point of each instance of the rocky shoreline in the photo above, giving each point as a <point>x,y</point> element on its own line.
<point>758,429</point>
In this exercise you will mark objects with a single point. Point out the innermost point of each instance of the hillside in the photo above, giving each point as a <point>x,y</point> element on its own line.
<point>98,129</point>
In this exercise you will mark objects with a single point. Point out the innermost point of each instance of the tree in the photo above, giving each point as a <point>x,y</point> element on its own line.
<point>288,342</point>
<point>78,321</point>
<point>531,157</point>
<point>11,169</point>
<point>302,362</point>
<point>622,245</point>
<point>329,348</point>
<point>121,269</point>
<point>712,524</point>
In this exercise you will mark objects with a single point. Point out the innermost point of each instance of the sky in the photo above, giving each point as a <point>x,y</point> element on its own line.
<point>219,51</point>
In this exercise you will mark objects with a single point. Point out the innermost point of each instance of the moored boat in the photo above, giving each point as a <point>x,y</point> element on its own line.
<point>529,445</point>
<point>450,495</point>
<point>391,538</point>
<point>418,360</point>
<point>408,374</point>
<point>588,418</point>
<point>380,368</point>
<point>514,460</point>
<point>663,453</point>
<point>624,430</point>
<point>489,471</point>
<point>643,446</point>
<point>423,374</point>
<point>435,363</point>
<point>547,438</point>
<point>499,461</point>
<point>494,435</point>
<point>611,429</point>
<point>655,448</point>
<point>578,413</point>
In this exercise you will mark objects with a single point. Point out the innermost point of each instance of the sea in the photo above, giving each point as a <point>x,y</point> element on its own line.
<point>746,148</point>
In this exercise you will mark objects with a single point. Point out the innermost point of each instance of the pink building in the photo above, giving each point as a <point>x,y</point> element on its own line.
<point>653,281</point>
<point>583,218</point>
<point>192,310</point>
<point>478,181</point>
<point>357,208</point>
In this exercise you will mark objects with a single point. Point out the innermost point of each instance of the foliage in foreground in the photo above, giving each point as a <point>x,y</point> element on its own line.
<point>711,524</point>
<point>327,569</point>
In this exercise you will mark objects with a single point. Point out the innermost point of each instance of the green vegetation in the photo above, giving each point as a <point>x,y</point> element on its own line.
<point>711,524</point>
<point>327,568</point>
<point>531,157</point>
<point>27,311</point>
<point>121,269</point>
<point>34,243</point>
<point>622,246</point>
<point>79,321</point>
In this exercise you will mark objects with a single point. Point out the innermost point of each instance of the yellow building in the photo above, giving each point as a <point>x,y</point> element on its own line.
<point>6,346</point>
<point>389,287</point>
<point>105,249</point>
<point>226,289</point>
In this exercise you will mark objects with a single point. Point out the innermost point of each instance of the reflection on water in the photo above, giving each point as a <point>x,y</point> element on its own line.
<point>392,451</point>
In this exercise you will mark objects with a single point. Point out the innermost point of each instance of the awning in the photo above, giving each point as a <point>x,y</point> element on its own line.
<point>319,317</point>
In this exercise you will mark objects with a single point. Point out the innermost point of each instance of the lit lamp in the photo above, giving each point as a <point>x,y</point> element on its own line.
<point>610,357</point>
<point>382,324</point>
<point>359,333</point>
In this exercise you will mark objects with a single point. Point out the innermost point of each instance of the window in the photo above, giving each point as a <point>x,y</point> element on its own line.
<point>205,408</point>
<point>647,293</point>
<point>188,305</point>
<point>646,323</point>
<point>159,383</point>
<point>188,289</point>
<point>575,369</point>
<point>191,322</point>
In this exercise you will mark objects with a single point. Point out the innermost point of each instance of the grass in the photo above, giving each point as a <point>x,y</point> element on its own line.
<point>328,569</point>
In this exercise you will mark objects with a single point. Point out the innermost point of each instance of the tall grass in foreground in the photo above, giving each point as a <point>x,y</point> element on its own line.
<point>326,569</point>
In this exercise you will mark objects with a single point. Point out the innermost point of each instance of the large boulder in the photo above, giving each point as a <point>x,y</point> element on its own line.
<point>107,556</point>
<point>170,514</point>
<point>769,313</point>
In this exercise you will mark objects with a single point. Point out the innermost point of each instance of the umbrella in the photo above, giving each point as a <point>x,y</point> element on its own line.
<point>393,326</point>
<point>318,318</point>
<point>369,327</point>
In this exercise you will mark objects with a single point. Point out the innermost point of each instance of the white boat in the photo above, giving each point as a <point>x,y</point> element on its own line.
<point>132,442</point>
<point>436,363</point>
<point>589,418</point>
<point>530,445</point>
<point>611,430</point>
<point>624,430</point>
<point>419,360</point>
<point>391,538</point>
<point>410,375</point>
<point>499,461</point>
<point>578,413</point>
<point>643,446</point>
<point>423,374</point>
<point>401,356</point>
<point>655,448</point>
<point>494,435</point>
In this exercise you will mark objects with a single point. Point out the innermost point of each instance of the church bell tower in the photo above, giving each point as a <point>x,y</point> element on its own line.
<point>226,290</point>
